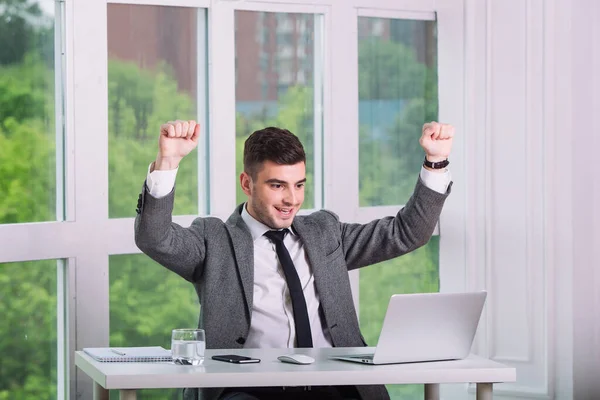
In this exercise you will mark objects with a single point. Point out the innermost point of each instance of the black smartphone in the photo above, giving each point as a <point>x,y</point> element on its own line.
<point>234,358</point>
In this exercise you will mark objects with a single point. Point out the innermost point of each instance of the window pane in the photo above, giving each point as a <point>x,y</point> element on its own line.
<point>397,94</point>
<point>146,302</point>
<point>152,78</point>
<point>28,330</point>
<point>27,112</point>
<point>416,272</point>
<point>275,83</point>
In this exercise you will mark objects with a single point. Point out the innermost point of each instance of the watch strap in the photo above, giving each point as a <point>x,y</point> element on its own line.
<point>436,164</point>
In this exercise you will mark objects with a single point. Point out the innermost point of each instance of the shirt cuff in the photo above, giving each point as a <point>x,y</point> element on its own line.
<point>160,182</point>
<point>437,181</point>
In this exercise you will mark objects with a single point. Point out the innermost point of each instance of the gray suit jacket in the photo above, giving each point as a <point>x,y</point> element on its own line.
<point>213,255</point>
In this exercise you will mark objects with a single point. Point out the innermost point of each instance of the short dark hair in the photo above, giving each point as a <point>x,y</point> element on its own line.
<point>272,144</point>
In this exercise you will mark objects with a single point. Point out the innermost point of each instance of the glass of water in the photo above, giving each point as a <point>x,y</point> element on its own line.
<point>187,346</point>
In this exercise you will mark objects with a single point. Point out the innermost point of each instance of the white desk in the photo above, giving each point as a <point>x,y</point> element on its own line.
<point>127,377</point>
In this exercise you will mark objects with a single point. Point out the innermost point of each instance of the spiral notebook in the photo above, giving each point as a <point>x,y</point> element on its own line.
<point>129,354</point>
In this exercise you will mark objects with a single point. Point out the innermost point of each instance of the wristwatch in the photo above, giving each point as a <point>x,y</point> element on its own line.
<point>437,164</point>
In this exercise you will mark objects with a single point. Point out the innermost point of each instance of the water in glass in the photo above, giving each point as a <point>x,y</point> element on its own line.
<point>187,346</point>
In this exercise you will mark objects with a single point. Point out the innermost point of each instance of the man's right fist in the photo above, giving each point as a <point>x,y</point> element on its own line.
<point>177,139</point>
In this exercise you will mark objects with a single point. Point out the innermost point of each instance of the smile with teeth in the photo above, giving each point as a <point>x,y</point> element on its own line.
<point>284,211</point>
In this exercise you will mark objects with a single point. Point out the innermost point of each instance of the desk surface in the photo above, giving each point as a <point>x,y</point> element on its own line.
<point>270,370</point>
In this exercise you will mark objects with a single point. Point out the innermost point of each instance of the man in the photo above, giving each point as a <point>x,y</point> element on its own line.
<point>269,278</point>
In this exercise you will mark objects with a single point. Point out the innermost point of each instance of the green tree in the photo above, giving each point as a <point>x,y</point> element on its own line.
<point>27,166</point>
<point>28,193</point>
<point>27,289</point>
<point>23,92</point>
<point>389,70</point>
<point>22,26</point>
<point>28,331</point>
<point>390,156</point>
<point>140,100</point>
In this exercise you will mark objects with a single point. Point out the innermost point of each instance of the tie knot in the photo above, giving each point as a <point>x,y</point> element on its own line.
<point>276,236</point>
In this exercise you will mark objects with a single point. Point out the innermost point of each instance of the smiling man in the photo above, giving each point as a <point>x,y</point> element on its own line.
<point>267,278</point>
<point>274,176</point>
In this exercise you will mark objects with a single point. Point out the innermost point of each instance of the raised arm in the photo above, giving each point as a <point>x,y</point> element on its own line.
<point>177,248</point>
<point>390,237</point>
<point>413,226</point>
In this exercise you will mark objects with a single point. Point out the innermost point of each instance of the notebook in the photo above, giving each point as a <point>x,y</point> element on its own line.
<point>426,327</point>
<point>129,354</point>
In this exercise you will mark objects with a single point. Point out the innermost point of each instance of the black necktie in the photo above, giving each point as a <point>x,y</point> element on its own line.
<point>303,335</point>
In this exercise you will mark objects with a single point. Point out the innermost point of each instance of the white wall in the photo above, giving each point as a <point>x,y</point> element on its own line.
<point>532,83</point>
<point>585,78</point>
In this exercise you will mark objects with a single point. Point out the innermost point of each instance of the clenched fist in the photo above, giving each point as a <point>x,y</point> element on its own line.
<point>436,140</point>
<point>176,140</point>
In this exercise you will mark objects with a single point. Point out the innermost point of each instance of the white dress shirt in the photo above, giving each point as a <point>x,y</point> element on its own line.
<point>272,323</point>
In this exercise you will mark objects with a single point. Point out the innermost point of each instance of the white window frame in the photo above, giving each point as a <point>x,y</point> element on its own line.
<point>88,236</point>
<point>450,41</point>
<point>344,197</point>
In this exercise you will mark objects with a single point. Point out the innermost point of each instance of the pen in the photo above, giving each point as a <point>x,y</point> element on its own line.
<point>117,352</point>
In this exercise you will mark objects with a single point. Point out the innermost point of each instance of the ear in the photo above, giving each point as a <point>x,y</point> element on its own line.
<point>246,183</point>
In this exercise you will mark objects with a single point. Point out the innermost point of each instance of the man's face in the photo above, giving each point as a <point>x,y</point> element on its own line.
<point>277,193</point>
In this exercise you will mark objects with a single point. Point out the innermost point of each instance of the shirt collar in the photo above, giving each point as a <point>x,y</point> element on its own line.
<point>257,228</point>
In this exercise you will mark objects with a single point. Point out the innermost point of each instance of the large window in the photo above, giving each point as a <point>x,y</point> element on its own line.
<point>397,94</point>
<point>154,56</point>
<point>29,136</point>
<point>156,73</point>
<point>278,83</point>
<point>28,333</point>
<point>83,92</point>
<point>31,190</point>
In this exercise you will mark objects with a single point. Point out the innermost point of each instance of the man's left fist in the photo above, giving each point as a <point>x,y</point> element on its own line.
<point>436,140</point>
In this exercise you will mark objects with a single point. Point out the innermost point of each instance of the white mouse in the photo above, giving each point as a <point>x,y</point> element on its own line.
<point>296,359</point>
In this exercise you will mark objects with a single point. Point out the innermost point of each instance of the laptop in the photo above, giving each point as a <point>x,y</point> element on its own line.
<point>425,327</point>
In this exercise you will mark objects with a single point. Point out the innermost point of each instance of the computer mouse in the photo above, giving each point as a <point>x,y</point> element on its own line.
<point>296,359</point>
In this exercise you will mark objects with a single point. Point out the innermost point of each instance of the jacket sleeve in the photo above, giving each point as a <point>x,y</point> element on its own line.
<point>182,250</point>
<point>390,237</point>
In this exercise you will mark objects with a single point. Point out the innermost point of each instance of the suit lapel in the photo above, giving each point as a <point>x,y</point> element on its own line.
<point>243,247</point>
<point>312,239</point>
<point>333,290</point>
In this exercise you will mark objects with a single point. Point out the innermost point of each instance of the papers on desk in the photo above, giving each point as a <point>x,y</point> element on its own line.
<point>129,354</point>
